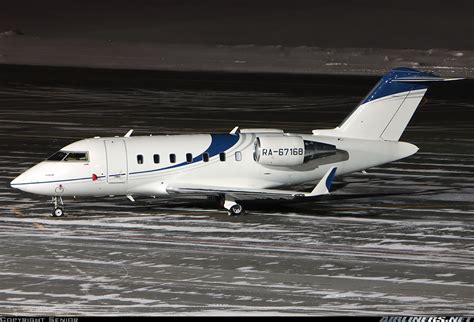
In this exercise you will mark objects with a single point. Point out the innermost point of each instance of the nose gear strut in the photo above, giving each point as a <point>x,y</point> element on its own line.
<point>58,210</point>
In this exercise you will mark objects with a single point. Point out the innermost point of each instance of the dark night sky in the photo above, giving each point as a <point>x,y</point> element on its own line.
<point>365,23</point>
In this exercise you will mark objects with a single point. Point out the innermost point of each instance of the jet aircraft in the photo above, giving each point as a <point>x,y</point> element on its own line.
<point>244,164</point>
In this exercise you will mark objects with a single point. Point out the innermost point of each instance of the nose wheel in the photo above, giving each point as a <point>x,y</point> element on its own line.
<point>58,210</point>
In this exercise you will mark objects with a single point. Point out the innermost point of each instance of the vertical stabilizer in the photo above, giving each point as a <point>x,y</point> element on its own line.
<point>385,112</point>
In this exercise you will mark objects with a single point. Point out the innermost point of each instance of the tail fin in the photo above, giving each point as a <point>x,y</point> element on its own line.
<point>385,112</point>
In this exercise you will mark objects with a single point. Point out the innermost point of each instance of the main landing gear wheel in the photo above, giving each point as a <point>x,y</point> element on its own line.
<point>232,207</point>
<point>236,210</point>
<point>58,209</point>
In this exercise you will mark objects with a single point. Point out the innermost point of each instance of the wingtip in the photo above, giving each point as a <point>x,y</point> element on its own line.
<point>322,188</point>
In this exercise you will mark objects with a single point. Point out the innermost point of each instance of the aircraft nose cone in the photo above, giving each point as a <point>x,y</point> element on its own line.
<point>20,181</point>
<point>30,180</point>
<point>14,183</point>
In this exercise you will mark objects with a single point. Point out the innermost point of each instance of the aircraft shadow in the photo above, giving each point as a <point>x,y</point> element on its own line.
<point>317,206</point>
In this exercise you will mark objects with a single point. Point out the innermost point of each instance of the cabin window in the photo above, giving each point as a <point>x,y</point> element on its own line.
<point>172,158</point>
<point>189,157</point>
<point>77,156</point>
<point>222,156</point>
<point>140,159</point>
<point>156,158</point>
<point>238,156</point>
<point>205,157</point>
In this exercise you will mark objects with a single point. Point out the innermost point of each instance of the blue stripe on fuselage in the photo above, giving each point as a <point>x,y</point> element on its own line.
<point>55,181</point>
<point>219,143</point>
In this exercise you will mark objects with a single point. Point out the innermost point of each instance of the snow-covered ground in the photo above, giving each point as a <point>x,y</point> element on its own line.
<point>398,240</point>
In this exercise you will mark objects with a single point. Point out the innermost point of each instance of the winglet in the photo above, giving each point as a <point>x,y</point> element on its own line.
<point>128,134</point>
<point>322,188</point>
<point>234,130</point>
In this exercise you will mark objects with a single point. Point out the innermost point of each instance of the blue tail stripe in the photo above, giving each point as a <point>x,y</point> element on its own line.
<point>386,87</point>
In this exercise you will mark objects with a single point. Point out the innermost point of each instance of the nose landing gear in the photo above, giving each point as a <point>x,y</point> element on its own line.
<point>58,210</point>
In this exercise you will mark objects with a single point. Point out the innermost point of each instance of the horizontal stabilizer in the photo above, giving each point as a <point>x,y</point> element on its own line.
<point>425,79</point>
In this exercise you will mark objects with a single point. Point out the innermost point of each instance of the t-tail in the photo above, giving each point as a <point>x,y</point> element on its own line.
<point>385,112</point>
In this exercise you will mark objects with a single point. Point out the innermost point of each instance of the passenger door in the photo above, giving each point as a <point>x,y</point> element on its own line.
<point>116,153</point>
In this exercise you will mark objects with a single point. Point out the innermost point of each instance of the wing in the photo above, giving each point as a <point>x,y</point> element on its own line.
<point>322,188</point>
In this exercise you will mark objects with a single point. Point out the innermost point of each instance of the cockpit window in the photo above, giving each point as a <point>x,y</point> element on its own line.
<point>58,156</point>
<point>69,156</point>
<point>77,156</point>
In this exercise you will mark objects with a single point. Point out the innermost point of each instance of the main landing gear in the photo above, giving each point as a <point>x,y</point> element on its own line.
<point>236,210</point>
<point>233,207</point>
<point>58,210</point>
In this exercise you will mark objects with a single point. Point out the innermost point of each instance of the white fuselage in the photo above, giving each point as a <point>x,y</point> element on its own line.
<point>130,166</point>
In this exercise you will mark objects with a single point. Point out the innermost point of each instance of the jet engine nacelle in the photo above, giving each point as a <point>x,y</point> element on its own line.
<point>289,150</point>
<point>279,150</point>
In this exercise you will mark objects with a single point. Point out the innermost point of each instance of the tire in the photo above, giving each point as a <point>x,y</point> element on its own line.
<point>58,212</point>
<point>236,210</point>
